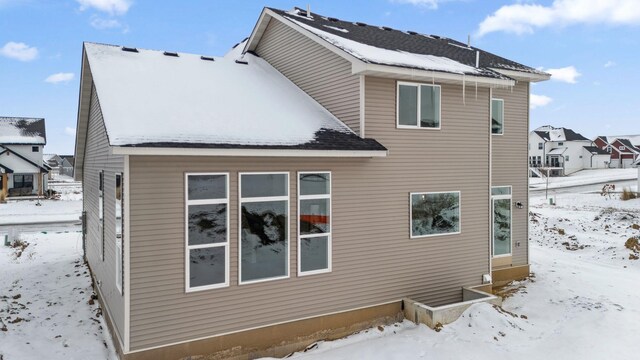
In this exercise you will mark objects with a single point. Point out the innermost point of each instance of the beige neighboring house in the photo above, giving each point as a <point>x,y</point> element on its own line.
<point>299,187</point>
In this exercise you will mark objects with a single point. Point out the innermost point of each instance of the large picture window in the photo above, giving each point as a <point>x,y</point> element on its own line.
<point>418,106</point>
<point>314,222</point>
<point>497,116</point>
<point>119,228</point>
<point>435,213</point>
<point>264,226</point>
<point>501,200</point>
<point>22,181</point>
<point>207,231</point>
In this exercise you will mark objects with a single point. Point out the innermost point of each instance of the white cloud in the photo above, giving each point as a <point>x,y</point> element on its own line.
<point>59,78</point>
<point>71,131</point>
<point>524,18</point>
<point>19,51</point>
<point>111,7</point>
<point>539,101</point>
<point>609,64</point>
<point>102,24</point>
<point>567,74</point>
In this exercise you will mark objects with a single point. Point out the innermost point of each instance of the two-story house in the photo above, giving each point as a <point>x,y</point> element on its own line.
<point>299,187</point>
<point>624,149</point>
<point>562,151</point>
<point>21,165</point>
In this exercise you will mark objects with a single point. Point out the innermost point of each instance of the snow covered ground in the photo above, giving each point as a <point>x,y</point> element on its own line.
<point>47,306</point>
<point>580,303</point>
<point>584,177</point>
<point>67,208</point>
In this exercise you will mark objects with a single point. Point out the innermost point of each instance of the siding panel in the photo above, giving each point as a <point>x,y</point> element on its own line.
<point>97,158</point>
<point>319,72</point>
<point>510,162</point>
<point>374,260</point>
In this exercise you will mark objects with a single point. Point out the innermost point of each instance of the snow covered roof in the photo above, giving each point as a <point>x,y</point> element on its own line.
<point>22,131</point>
<point>596,150</point>
<point>152,98</point>
<point>550,133</point>
<point>634,139</point>
<point>387,46</point>
<point>557,151</point>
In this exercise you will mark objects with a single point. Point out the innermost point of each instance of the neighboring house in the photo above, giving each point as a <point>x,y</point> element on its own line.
<point>624,149</point>
<point>54,161</point>
<point>562,151</point>
<point>21,164</point>
<point>299,187</point>
<point>66,168</point>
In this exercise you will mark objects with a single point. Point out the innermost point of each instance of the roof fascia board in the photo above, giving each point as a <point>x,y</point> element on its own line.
<point>125,150</point>
<point>417,74</point>
<point>258,30</point>
<point>522,76</point>
<point>82,122</point>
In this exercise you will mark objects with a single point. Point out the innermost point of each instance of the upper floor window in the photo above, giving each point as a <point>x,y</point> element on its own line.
<point>560,143</point>
<point>622,148</point>
<point>497,116</point>
<point>418,106</point>
<point>35,148</point>
<point>539,146</point>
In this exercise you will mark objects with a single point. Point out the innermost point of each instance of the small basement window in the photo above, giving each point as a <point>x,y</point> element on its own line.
<point>435,213</point>
<point>418,106</point>
<point>497,116</point>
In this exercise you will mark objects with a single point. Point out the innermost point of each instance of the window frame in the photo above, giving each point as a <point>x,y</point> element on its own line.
<point>23,181</point>
<point>101,211</point>
<point>411,236</point>
<point>120,239</point>
<point>503,117</point>
<point>328,235</point>
<point>540,146</point>
<point>187,269</point>
<point>493,199</point>
<point>241,200</point>
<point>35,149</point>
<point>419,108</point>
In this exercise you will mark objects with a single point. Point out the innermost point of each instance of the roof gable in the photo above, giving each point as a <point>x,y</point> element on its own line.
<point>390,47</point>
<point>22,131</point>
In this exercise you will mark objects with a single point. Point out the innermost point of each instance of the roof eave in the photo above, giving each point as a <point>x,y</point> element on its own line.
<point>166,151</point>
<point>523,76</point>
<point>397,72</point>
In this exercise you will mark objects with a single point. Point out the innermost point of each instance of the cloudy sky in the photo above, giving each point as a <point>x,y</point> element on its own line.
<point>590,46</point>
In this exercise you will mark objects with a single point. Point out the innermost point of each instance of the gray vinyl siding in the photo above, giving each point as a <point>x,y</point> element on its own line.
<point>510,162</point>
<point>97,158</point>
<point>374,260</point>
<point>319,72</point>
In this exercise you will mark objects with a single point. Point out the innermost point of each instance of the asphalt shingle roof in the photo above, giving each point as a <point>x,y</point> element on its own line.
<point>21,130</point>
<point>409,41</point>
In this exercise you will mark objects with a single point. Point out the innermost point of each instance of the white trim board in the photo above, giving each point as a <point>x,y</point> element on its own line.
<point>167,151</point>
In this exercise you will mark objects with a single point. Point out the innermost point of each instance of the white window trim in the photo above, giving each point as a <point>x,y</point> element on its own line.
<point>187,202</point>
<point>503,117</point>
<point>242,200</point>
<point>118,259</point>
<point>329,234</point>
<point>417,126</point>
<point>101,214</point>
<point>411,236</point>
<point>493,199</point>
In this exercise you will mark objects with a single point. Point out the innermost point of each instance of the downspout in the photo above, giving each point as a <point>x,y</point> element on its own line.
<point>490,184</point>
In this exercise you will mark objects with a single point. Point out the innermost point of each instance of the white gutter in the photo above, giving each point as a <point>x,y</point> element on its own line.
<point>166,151</point>
<point>523,76</point>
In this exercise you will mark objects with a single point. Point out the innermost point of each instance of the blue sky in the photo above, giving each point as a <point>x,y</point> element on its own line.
<point>590,46</point>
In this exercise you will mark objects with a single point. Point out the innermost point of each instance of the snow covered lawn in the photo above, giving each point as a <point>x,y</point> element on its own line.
<point>47,306</point>
<point>582,301</point>
<point>584,177</point>
<point>67,208</point>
